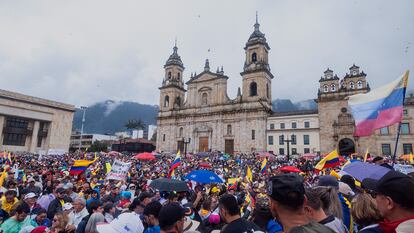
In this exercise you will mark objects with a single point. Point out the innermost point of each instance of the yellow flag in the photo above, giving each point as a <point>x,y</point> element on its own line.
<point>366,154</point>
<point>3,176</point>
<point>249,174</point>
<point>108,167</point>
<point>411,158</point>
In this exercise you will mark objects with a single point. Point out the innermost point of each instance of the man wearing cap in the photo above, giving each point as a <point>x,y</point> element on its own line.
<point>69,191</point>
<point>56,205</point>
<point>394,194</point>
<point>32,188</point>
<point>287,203</point>
<point>31,199</point>
<point>171,218</point>
<point>230,213</point>
<point>145,198</point>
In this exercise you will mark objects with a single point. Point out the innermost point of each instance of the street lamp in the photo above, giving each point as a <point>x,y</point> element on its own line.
<point>186,141</point>
<point>83,122</point>
<point>287,143</point>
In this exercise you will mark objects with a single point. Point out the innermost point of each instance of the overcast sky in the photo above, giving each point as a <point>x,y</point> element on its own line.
<point>82,52</point>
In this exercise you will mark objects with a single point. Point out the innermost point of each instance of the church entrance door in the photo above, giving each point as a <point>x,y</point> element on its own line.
<point>202,144</point>
<point>346,146</point>
<point>180,146</point>
<point>229,146</point>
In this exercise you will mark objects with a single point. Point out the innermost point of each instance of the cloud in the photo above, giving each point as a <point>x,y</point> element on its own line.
<point>82,52</point>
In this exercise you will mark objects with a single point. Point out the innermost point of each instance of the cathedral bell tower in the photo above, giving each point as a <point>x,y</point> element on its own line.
<point>172,91</point>
<point>257,78</point>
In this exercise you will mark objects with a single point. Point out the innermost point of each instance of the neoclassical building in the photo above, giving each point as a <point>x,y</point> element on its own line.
<point>199,115</point>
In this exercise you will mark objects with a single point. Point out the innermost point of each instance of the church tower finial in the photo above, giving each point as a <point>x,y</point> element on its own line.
<point>257,25</point>
<point>207,66</point>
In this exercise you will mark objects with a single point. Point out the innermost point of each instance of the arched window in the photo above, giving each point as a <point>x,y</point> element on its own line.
<point>166,101</point>
<point>325,88</point>
<point>178,76</point>
<point>180,132</point>
<point>254,57</point>
<point>333,87</point>
<point>352,85</point>
<point>253,89</point>
<point>169,75</point>
<point>359,84</point>
<point>228,129</point>
<point>204,100</point>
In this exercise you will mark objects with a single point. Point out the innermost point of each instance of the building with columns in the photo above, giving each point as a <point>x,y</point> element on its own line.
<point>199,115</point>
<point>33,124</point>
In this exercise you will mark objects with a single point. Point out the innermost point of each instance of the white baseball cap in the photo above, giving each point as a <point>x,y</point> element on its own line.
<point>124,223</point>
<point>29,195</point>
<point>67,206</point>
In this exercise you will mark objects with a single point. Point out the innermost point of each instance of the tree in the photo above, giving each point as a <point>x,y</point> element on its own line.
<point>98,146</point>
<point>134,124</point>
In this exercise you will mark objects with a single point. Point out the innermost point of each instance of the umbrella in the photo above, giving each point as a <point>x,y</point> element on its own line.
<point>309,156</point>
<point>113,153</point>
<point>202,154</point>
<point>360,170</point>
<point>205,165</point>
<point>144,156</point>
<point>290,169</point>
<point>204,177</point>
<point>169,185</point>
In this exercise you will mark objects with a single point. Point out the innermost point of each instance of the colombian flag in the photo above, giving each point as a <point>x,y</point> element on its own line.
<point>80,166</point>
<point>176,163</point>
<point>263,168</point>
<point>249,174</point>
<point>331,160</point>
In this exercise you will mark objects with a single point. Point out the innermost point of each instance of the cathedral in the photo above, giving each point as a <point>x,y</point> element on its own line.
<point>198,116</point>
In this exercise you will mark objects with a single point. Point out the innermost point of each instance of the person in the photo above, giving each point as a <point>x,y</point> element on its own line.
<point>287,204</point>
<point>15,223</point>
<point>94,196</point>
<point>56,205</point>
<point>60,221</point>
<point>230,213</point>
<point>171,218</point>
<point>381,162</point>
<point>315,211</point>
<point>69,191</point>
<point>78,213</point>
<point>8,200</point>
<point>93,221</point>
<point>125,200</point>
<point>145,198</point>
<point>93,207</point>
<point>341,210</point>
<point>151,212</point>
<point>109,212</point>
<point>365,214</point>
<point>30,199</point>
<point>41,219</point>
<point>394,195</point>
<point>32,188</point>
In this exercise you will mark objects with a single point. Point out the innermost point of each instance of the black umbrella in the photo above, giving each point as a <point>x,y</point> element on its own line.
<point>164,184</point>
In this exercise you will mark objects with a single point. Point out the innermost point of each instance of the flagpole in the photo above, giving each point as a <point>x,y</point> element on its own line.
<point>396,144</point>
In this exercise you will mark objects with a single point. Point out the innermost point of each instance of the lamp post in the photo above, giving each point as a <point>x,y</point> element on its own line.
<point>83,122</point>
<point>287,143</point>
<point>186,141</point>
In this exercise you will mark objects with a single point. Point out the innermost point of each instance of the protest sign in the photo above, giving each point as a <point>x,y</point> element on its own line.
<point>119,170</point>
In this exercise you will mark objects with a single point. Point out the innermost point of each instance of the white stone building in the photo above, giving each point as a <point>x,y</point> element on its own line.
<point>33,124</point>
<point>301,128</point>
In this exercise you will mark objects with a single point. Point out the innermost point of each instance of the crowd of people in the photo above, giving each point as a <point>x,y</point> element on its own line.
<point>39,194</point>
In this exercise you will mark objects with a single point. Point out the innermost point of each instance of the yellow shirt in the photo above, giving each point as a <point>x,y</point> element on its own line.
<point>7,206</point>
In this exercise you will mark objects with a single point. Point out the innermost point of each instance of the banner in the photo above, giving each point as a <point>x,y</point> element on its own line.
<point>119,170</point>
<point>406,169</point>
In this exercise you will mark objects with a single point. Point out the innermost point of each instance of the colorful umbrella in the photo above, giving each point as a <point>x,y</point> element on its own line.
<point>289,169</point>
<point>204,177</point>
<point>144,156</point>
<point>309,156</point>
<point>113,153</point>
<point>205,165</point>
<point>361,170</point>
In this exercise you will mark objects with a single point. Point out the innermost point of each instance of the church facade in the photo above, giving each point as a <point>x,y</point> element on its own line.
<point>198,116</point>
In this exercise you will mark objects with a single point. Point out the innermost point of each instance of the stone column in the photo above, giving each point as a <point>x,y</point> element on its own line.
<point>2,119</point>
<point>33,141</point>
